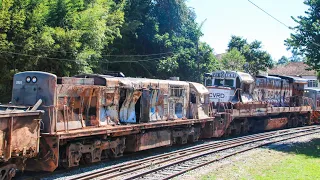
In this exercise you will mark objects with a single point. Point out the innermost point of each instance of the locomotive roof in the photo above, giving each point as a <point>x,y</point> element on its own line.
<point>244,77</point>
<point>93,75</point>
<point>156,81</point>
<point>199,87</point>
<point>269,77</point>
<point>292,79</point>
<point>131,82</point>
<point>38,72</point>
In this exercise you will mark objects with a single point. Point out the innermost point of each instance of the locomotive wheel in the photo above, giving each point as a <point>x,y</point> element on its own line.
<point>302,121</point>
<point>86,158</point>
<point>116,152</point>
<point>7,172</point>
<point>227,133</point>
<point>63,162</point>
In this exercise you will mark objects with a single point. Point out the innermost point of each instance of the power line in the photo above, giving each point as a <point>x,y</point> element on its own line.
<point>141,60</point>
<point>269,14</point>
<point>111,55</point>
<point>279,21</point>
<point>77,61</point>
<point>9,52</point>
<point>138,55</point>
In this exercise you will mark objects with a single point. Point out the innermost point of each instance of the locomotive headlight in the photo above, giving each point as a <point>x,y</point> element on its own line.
<point>28,79</point>
<point>34,79</point>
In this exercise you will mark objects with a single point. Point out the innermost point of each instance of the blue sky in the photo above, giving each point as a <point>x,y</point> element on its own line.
<point>241,18</point>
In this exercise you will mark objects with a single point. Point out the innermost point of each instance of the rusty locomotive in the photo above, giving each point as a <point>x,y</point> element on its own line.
<point>90,117</point>
<point>264,102</point>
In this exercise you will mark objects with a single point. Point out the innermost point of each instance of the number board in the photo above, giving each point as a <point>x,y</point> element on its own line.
<point>224,75</point>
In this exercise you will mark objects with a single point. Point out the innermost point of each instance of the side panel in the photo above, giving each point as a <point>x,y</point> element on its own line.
<point>19,137</point>
<point>145,106</point>
<point>148,140</point>
<point>128,110</point>
<point>276,123</point>
<point>220,95</point>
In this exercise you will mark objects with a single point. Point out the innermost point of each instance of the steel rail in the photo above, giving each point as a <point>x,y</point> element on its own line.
<point>122,169</point>
<point>181,170</point>
<point>232,154</point>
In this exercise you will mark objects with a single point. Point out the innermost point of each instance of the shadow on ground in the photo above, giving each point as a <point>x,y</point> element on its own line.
<point>309,148</point>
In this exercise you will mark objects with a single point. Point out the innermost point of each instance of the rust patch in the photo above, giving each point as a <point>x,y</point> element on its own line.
<point>276,123</point>
<point>148,140</point>
<point>19,137</point>
<point>48,157</point>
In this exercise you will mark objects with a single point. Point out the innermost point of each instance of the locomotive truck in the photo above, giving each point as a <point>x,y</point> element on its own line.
<point>91,117</point>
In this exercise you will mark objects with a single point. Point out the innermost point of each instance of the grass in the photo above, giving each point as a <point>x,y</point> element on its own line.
<point>301,161</point>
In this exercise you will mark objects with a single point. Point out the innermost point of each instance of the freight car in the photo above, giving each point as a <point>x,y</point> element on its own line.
<point>19,137</point>
<point>92,117</point>
<point>260,103</point>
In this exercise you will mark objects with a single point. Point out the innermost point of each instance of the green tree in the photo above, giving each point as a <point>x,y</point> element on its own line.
<point>233,60</point>
<point>305,39</point>
<point>256,58</point>
<point>296,58</point>
<point>168,29</point>
<point>283,60</point>
<point>64,37</point>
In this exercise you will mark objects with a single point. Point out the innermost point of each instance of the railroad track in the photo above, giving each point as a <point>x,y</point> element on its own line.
<point>172,164</point>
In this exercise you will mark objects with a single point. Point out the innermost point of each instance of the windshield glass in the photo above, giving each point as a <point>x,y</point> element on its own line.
<point>228,82</point>
<point>208,82</point>
<point>218,82</point>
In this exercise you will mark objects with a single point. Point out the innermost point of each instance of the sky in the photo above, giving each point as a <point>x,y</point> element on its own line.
<point>241,18</point>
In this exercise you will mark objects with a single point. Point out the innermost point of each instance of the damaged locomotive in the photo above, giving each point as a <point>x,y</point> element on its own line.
<point>91,117</point>
<point>260,103</point>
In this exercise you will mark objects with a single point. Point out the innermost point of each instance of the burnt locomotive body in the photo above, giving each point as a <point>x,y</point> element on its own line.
<point>260,103</point>
<point>91,117</point>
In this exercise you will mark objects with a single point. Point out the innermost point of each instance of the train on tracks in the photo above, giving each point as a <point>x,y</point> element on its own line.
<point>65,121</point>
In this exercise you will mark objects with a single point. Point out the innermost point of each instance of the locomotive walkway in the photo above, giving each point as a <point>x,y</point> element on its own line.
<point>172,164</point>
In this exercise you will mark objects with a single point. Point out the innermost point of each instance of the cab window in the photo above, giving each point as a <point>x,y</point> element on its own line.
<point>208,82</point>
<point>228,82</point>
<point>218,82</point>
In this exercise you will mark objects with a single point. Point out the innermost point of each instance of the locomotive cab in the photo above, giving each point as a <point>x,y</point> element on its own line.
<point>30,86</point>
<point>229,86</point>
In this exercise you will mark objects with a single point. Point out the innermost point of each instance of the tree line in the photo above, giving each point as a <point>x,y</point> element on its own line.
<point>141,38</point>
